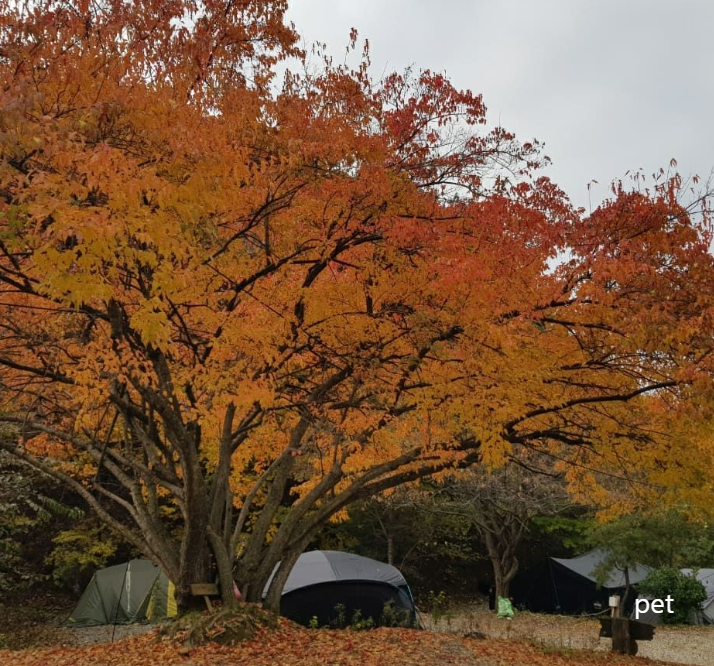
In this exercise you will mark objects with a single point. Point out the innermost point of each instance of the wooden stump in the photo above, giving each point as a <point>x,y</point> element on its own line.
<point>625,633</point>
<point>622,641</point>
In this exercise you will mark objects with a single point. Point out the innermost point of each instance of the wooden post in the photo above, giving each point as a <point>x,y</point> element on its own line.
<point>621,629</point>
<point>622,641</point>
<point>625,633</point>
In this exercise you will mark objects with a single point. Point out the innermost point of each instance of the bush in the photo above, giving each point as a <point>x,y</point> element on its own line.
<point>360,623</point>
<point>32,510</point>
<point>390,617</point>
<point>686,591</point>
<point>437,604</point>
<point>78,553</point>
<point>395,617</point>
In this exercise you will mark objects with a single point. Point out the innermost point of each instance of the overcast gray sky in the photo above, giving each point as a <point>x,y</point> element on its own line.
<point>608,85</point>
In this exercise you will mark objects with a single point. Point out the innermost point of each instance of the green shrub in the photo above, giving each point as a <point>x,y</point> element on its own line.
<point>340,620</point>
<point>437,604</point>
<point>687,593</point>
<point>395,617</point>
<point>78,553</point>
<point>360,623</point>
<point>31,512</point>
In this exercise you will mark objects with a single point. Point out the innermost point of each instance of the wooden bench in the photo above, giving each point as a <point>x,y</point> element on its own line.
<point>205,590</point>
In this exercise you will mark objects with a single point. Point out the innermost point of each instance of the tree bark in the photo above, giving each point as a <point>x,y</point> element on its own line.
<point>504,563</point>
<point>224,564</point>
<point>275,591</point>
<point>503,579</point>
<point>195,560</point>
<point>194,568</point>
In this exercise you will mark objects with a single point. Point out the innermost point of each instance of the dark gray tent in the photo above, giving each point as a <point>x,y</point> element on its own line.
<point>130,592</point>
<point>322,580</point>
<point>575,586</point>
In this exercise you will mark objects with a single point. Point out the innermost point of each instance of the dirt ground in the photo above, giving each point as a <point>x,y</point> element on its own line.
<point>22,628</point>
<point>37,622</point>
<point>684,645</point>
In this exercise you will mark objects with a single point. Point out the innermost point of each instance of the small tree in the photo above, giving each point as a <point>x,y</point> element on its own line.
<point>656,539</point>
<point>409,530</point>
<point>78,552</point>
<point>686,592</point>
<point>501,506</point>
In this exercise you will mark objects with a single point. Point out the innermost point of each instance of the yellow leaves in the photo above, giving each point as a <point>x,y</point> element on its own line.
<point>340,517</point>
<point>495,450</point>
<point>152,324</point>
<point>45,445</point>
<point>585,487</point>
<point>76,289</point>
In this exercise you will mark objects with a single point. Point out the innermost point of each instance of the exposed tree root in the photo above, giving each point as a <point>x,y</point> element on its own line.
<point>225,626</point>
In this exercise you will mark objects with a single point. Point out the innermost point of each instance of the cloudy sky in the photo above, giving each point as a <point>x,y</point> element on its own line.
<point>608,85</point>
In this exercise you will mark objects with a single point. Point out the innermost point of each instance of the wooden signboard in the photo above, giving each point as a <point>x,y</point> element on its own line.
<point>205,590</point>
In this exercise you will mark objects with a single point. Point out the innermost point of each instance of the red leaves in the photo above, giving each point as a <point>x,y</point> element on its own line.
<point>302,647</point>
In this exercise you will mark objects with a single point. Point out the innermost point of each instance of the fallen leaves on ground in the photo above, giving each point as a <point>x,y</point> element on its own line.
<point>291,645</point>
<point>512,653</point>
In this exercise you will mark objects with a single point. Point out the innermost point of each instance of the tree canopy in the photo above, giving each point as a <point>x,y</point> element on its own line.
<point>231,306</point>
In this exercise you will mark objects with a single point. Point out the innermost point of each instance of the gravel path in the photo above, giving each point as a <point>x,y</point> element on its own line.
<point>106,634</point>
<point>684,645</point>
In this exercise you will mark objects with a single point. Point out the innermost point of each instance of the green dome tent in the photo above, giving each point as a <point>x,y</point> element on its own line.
<point>130,592</point>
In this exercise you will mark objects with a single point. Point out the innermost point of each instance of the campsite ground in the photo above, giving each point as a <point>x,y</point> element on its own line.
<point>683,645</point>
<point>292,645</point>
<point>528,640</point>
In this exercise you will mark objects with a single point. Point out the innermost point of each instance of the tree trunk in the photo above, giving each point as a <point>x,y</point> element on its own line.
<point>623,601</point>
<point>502,582</point>
<point>504,563</point>
<point>224,564</point>
<point>195,560</point>
<point>195,568</point>
<point>254,576</point>
<point>390,549</point>
<point>275,591</point>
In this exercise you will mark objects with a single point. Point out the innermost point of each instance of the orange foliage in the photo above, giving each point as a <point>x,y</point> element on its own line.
<point>227,292</point>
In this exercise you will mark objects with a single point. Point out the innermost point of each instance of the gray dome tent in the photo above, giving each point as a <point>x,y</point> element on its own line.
<point>130,592</point>
<point>322,580</point>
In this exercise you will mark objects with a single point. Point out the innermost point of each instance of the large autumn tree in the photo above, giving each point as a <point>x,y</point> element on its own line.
<point>229,306</point>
